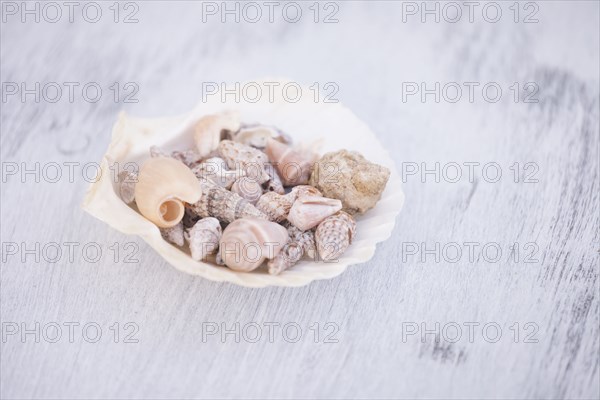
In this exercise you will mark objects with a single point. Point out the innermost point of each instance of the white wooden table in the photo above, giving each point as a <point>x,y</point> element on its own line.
<point>488,287</point>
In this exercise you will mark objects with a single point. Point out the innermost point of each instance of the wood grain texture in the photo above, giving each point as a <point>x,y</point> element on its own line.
<point>369,54</point>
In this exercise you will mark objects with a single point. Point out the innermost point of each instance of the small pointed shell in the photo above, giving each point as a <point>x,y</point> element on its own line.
<point>276,206</point>
<point>334,235</point>
<point>301,243</point>
<point>163,185</point>
<point>308,211</point>
<point>249,159</point>
<point>222,204</point>
<point>248,189</point>
<point>210,130</point>
<point>204,237</point>
<point>247,242</point>
<point>294,167</point>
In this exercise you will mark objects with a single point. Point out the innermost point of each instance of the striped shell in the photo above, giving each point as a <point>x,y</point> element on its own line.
<point>276,206</point>
<point>334,235</point>
<point>247,242</point>
<point>248,189</point>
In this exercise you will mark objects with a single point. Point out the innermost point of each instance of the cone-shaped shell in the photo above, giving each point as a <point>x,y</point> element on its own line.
<point>294,167</point>
<point>247,242</point>
<point>162,187</point>
<point>209,131</point>
<point>308,211</point>
<point>334,235</point>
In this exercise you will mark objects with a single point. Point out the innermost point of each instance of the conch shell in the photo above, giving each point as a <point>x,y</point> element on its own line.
<point>294,166</point>
<point>209,131</point>
<point>334,235</point>
<point>204,237</point>
<point>248,189</point>
<point>162,187</point>
<point>249,159</point>
<point>308,211</point>
<point>276,206</point>
<point>247,242</point>
<point>222,204</point>
<point>215,169</point>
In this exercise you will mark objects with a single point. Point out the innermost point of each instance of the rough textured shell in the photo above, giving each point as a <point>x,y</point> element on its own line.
<point>246,243</point>
<point>306,121</point>
<point>302,243</point>
<point>163,185</point>
<point>211,129</point>
<point>350,177</point>
<point>215,170</point>
<point>174,234</point>
<point>308,211</point>
<point>251,160</point>
<point>276,206</point>
<point>334,235</point>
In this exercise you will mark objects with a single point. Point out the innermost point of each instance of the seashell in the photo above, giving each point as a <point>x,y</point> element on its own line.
<point>127,181</point>
<point>247,242</point>
<point>204,237</point>
<point>256,135</point>
<point>210,130</point>
<point>334,235</point>
<point>307,190</point>
<point>294,167</point>
<point>276,206</point>
<point>189,157</point>
<point>156,151</point>
<point>174,234</point>
<point>222,204</point>
<point>189,218</point>
<point>215,169</point>
<point>274,183</point>
<point>348,176</point>
<point>249,159</point>
<point>301,243</point>
<point>308,211</point>
<point>163,185</point>
<point>248,189</point>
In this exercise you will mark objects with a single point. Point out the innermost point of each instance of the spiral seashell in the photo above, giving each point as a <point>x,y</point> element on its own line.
<point>126,183</point>
<point>203,238</point>
<point>301,243</point>
<point>210,130</point>
<point>256,135</point>
<point>163,185</point>
<point>174,234</point>
<point>249,159</point>
<point>294,166</point>
<point>334,235</point>
<point>222,204</point>
<point>215,169</point>
<point>308,211</point>
<point>247,242</point>
<point>248,189</point>
<point>274,183</point>
<point>276,206</point>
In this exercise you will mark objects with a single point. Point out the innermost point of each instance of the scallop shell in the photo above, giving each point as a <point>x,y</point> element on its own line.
<point>211,129</point>
<point>163,185</point>
<point>294,167</point>
<point>247,242</point>
<point>276,206</point>
<point>334,235</point>
<point>308,211</point>
<point>204,238</point>
<point>248,189</point>
<point>222,204</point>
<point>215,170</point>
<point>308,120</point>
<point>249,159</point>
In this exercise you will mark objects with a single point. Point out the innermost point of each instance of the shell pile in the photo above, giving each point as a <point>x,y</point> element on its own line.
<point>247,197</point>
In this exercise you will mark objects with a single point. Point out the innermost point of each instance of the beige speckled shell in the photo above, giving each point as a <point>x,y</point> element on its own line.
<point>215,170</point>
<point>275,205</point>
<point>306,121</point>
<point>247,242</point>
<point>251,160</point>
<point>334,235</point>
<point>294,167</point>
